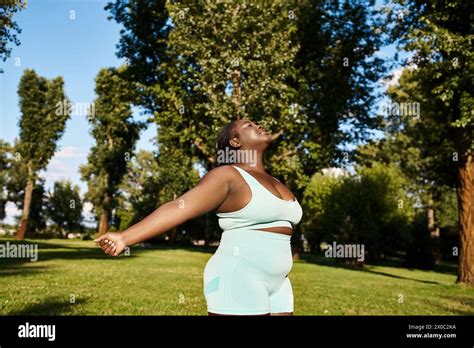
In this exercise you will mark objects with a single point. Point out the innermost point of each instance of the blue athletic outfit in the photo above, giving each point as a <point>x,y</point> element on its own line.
<point>248,274</point>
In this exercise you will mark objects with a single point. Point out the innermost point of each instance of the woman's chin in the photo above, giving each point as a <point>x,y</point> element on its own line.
<point>267,138</point>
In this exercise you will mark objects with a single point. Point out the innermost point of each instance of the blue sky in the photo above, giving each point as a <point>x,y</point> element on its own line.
<point>67,38</point>
<point>72,39</point>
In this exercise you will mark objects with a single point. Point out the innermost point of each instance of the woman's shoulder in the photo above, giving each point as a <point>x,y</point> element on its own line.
<point>222,170</point>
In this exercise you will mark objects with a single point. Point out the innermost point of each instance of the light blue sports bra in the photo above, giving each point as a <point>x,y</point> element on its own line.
<point>262,211</point>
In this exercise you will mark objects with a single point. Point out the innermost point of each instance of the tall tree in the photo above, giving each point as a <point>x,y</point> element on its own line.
<point>300,68</point>
<point>42,123</point>
<point>440,35</point>
<point>115,133</point>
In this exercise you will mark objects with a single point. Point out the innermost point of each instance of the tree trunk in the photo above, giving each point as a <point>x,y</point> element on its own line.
<point>106,202</point>
<point>103,222</point>
<point>172,234</point>
<point>236,92</point>
<point>432,228</point>
<point>20,235</point>
<point>466,208</point>
<point>296,245</point>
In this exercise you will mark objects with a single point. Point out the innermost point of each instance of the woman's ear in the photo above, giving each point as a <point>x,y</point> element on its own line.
<point>234,142</point>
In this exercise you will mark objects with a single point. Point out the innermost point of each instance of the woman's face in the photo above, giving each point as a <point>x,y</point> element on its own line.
<point>251,135</point>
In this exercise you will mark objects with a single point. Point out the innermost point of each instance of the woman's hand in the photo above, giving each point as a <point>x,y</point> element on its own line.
<point>112,243</point>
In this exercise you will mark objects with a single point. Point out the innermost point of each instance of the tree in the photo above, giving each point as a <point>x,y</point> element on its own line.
<point>439,34</point>
<point>151,181</point>
<point>139,192</point>
<point>42,123</point>
<point>8,27</point>
<point>313,203</point>
<point>5,149</point>
<point>115,133</point>
<point>215,61</point>
<point>399,149</point>
<point>370,208</point>
<point>64,207</point>
<point>15,177</point>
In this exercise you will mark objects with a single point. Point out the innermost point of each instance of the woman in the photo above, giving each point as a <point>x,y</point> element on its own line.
<point>248,274</point>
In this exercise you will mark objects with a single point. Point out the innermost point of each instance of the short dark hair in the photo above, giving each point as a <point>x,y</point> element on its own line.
<point>223,138</point>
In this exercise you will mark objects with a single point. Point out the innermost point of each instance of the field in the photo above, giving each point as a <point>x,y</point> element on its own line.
<point>74,277</point>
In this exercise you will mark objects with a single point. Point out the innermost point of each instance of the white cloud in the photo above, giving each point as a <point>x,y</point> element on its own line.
<point>69,152</point>
<point>396,74</point>
<point>394,79</point>
<point>334,172</point>
<point>10,212</point>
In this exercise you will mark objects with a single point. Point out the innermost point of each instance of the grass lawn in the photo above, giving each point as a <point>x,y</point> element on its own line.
<point>74,277</point>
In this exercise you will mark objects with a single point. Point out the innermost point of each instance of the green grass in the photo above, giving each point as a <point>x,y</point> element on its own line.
<point>168,281</point>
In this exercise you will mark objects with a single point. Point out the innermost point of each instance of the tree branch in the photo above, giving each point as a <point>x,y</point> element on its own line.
<point>203,150</point>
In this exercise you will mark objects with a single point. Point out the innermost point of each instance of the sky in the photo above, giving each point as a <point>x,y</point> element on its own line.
<point>72,39</point>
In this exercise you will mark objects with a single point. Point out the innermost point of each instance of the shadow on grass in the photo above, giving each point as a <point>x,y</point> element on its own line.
<point>468,301</point>
<point>55,250</point>
<point>49,306</point>
<point>20,270</point>
<point>186,247</point>
<point>323,261</point>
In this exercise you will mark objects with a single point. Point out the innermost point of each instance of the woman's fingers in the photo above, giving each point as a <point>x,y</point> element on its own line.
<point>108,247</point>
<point>109,243</point>
<point>105,243</point>
<point>101,238</point>
<point>114,251</point>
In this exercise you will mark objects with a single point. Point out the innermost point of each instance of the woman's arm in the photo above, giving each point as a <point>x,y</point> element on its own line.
<point>206,196</point>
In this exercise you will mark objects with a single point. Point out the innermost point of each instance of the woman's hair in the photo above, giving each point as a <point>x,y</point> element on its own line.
<point>225,135</point>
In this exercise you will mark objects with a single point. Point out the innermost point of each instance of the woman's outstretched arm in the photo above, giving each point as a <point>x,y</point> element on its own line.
<point>206,196</point>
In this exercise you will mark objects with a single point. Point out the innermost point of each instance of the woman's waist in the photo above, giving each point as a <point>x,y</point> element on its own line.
<point>248,225</point>
<point>251,237</point>
<point>269,252</point>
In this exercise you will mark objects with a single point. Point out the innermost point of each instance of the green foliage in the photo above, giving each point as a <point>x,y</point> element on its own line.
<point>14,177</point>
<point>42,121</point>
<point>16,174</point>
<point>38,211</point>
<point>440,79</point>
<point>151,181</point>
<point>64,207</point>
<point>339,72</point>
<point>315,206</point>
<point>371,208</point>
<point>8,27</point>
<point>115,133</point>
<point>139,192</point>
<point>440,35</point>
<point>279,63</point>
<point>5,149</point>
<point>228,61</point>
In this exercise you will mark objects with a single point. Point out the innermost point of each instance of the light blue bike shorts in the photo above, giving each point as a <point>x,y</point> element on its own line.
<point>248,274</point>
